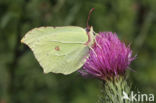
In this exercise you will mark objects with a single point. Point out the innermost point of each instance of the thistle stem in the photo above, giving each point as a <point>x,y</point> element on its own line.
<point>112,91</point>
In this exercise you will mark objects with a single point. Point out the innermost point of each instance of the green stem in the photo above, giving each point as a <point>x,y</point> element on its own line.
<point>112,91</point>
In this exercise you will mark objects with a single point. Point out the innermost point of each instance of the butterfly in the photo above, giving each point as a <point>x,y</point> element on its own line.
<point>60,49</point>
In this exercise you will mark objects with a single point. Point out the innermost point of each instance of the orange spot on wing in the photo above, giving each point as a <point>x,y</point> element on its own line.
<point>57,48</point>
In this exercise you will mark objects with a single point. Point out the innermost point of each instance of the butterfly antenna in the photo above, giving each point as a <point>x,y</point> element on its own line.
<point>90,12</point>
<point>88,27</point>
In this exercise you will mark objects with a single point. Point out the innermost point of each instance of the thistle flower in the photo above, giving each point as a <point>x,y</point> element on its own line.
<point>108,58</point>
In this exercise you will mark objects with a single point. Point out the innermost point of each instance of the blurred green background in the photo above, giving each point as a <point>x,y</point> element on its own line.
<point>21,77</point>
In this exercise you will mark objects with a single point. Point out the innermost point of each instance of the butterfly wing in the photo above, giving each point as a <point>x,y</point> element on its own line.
<point>60,49</point>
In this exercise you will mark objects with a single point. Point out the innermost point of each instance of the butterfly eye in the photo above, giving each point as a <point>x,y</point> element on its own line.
<point>87,29</point>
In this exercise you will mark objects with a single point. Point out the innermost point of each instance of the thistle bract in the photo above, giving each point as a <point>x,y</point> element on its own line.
<point>109,57</point>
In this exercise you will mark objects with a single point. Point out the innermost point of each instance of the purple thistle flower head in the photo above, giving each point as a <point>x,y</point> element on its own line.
<point>108,58</point>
